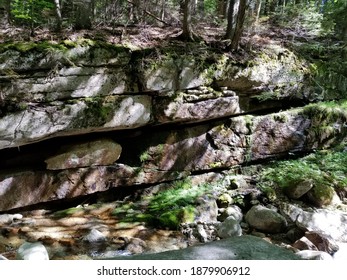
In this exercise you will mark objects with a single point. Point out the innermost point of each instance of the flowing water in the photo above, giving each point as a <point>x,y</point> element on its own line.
<point>64,232</point>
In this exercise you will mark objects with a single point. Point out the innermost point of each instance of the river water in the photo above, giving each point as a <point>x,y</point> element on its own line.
<point>64,236</point>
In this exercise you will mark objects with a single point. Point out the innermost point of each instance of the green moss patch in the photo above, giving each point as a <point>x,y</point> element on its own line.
<point>166,209</point>
<point>326,170</point>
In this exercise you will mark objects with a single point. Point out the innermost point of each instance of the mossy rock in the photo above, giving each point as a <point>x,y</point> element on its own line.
<point>321,195</point>
<point>224,200</point>
<point>172,219</point>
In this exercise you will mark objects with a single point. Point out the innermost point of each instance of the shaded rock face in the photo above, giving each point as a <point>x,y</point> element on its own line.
<point>165,118</point>
<point>99,152</point>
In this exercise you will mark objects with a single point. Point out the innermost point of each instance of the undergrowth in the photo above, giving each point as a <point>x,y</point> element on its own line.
<point>323,168</point>
<point>168,208</point>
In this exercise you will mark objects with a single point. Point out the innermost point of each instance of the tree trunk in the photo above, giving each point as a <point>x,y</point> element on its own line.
<point>230,28</point>
<point>201,7</point>
<point>83,14</point>
<point>257,10</point>
<point>239,25</point>
<point>162,10</point>
<point>7,7</point>
<point>187,20</point>
<point>222,8</point>
<point>58,14</point>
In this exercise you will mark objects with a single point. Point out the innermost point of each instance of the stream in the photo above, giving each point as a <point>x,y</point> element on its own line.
<point>71,237</point>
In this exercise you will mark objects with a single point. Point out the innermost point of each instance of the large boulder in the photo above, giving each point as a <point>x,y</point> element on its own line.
<point>93,153</point>
<point>330,223</point>
<point>265,219</point>
<point>244,247</point>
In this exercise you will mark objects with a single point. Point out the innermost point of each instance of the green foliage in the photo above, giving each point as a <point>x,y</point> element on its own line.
<point>335,17</point>
<point>304,16</point>
<point>328,68</point>
<point>210,6</point>
<point>168,208</point>
<point>30,12</point>
<point>324,169</point>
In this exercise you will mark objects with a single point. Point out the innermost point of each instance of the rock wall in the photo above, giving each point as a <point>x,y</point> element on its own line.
<point>166,113</point>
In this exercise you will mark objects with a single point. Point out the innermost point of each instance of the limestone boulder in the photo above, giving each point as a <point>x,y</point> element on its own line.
<point>330,223</point>
<point>98,152</point>
<point>265,219</point>
<point>36,123</point>
<point>36,56</point>
<point>231,211</point>
<point>276,68</point>
<point>167,111</point>
<point>32,251</point>
<point>229,227</point>
<point>65,83</point>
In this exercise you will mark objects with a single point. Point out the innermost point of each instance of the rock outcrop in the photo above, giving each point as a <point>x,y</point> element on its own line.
<point>166,114</point>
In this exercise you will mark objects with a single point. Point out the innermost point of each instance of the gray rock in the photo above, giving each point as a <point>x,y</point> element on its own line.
<point>229,228</point>
<point>80,117</point>
<point>331,224</point>
<point>179,111</point>
<point>20,189</point>
<point>202,235</point>
<point>294,234</point>
<point>9,218</point>
<point>2,258</point>
<point>296,191</point>
<point>32,251</point>
<point>98,152</point>
<point>135,246</point>
<point>94,236</point>
<point>244,247</point>
<point>206,210</point>
<point>265,220</point>
<point>314,255</point>
<point>232,211</point>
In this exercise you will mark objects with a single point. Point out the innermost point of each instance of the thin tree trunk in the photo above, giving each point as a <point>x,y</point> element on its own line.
<point>58,14</point>
<point>8,11</point>
<point>162,10</point>
<point>239,25</point>
<point>187,20</point>
<point>230,28</point>
<point>257,10</point>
